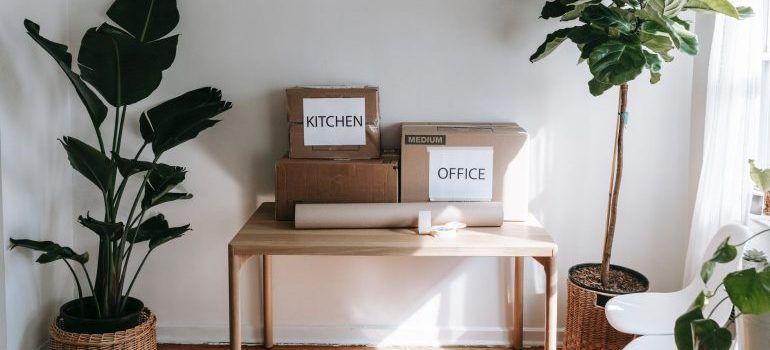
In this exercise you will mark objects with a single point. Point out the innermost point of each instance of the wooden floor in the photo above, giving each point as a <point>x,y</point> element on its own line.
<point>223,347</point>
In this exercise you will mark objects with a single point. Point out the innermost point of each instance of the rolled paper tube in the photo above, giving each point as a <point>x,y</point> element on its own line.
<point>395,215</point>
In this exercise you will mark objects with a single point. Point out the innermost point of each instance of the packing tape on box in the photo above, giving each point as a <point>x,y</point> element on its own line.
<point>396,215</point>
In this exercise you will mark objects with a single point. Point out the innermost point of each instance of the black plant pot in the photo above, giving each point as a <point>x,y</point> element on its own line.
<point>74,319</point>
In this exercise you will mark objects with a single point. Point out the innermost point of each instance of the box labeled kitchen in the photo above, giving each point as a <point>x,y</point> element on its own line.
<point>333,122</point>
<point>334,181</point>
<point>466,162</point>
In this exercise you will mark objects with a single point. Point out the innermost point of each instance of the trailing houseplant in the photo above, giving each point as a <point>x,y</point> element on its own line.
<point>748,290</point>
<point>619,40</point>
<point>124,62</point>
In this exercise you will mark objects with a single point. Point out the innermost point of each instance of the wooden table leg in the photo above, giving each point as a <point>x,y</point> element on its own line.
<point>234,263</point>
<point>267,299</point>
<point>517,339</point>
<point>551,288</point>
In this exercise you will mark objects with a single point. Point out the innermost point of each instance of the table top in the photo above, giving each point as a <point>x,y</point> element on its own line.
<point>263,235</point>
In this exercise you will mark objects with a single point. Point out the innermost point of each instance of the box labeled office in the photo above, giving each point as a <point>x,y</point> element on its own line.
<point>333,122</point>
<point>466,162</point>
<point>334,181</point>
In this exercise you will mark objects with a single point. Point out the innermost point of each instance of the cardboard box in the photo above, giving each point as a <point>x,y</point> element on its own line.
<point>334,181</point>
<point>333,122</point>
<point>450,162</point>
<point>298,150</point>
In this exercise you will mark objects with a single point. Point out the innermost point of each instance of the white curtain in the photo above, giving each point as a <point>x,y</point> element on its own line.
<point>733,111</point>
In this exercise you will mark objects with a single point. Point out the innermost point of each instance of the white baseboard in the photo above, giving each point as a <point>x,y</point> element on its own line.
<point>354,335</point>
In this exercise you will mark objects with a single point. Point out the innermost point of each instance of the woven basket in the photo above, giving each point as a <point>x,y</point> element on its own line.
<point>586,326</point>
<point>141,337</point>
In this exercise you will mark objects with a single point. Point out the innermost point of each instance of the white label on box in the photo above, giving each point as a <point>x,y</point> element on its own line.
<point>460,173</point>
<point>334,121</point>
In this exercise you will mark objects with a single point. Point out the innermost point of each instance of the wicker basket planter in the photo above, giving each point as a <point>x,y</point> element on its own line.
<point>141,337</point>
<point>586,326</point>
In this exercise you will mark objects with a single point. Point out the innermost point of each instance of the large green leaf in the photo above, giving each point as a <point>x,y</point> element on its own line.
<point>160,181</point>
<point>616,62</point>
<point>683,328</point>
<point>668,8</point>
<point>607,17</point>
<point>51,251</point>
<point>597,88</point>
<point>91,163</point>
<point>181,118</point>
<point>146,20</point>
<point>723,254</point>
<point>554,9</point>
<point>128,167</point>
<point>718,6</point>
<point>94,106</point>
<point>653,64</point>
<point>761,177</point>
<point>710,336</point>
<point>658,43</point>
<point>105,230</point>
<point>749,290</point>
<point>123,69</point>
<point>157,231</point>
<point>552,41</point>
<point>677,29</point>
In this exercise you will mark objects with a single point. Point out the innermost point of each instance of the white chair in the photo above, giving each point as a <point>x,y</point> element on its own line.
<point>652,342</point>
<point>653,315</point>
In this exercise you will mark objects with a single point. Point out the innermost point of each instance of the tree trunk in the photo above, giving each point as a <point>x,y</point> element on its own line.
<point>615,177</point>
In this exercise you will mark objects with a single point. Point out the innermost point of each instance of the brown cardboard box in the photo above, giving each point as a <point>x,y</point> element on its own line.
<point>508,180</point>
<point>334,181</point>
<point>297,149</point>
<point>369,148</point>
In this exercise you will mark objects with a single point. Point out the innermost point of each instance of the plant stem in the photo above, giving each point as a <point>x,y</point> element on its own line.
<point>752,237</point>
<point>80,290</point>
<point>615,178</point>
<point>124,182</point>
<point>120,131</point>
<point>127,256</point>
<point>91,286</point>
<point>716,306</point>
<point>136,274</point>
<point>115,129</point>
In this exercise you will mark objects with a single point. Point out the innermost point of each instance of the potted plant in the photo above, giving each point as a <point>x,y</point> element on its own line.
<point>748,290</point>
<point>618,40</point>
<point>124,63</point>
<point>761,179</point>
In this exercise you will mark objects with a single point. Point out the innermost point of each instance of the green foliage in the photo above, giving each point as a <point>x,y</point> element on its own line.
<point>748,290</point>
<point>625,37</point>
<point>125,65</point>
<point>760,177</point>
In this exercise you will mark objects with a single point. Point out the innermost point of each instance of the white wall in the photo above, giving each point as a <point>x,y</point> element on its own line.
<point>434,60</point>
<point>36,179</point>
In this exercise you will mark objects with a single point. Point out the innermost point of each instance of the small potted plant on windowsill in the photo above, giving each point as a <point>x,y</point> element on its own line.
<point>124,63</point>
<point>761,179</point>
<point>619,39</point>
<point>748,290</point>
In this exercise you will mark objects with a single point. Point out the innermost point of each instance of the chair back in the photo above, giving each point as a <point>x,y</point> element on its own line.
<point>737,234</point>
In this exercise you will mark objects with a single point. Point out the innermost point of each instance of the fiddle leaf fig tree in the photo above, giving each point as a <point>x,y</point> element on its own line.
<point>124,63</point>
<point>619,40</point>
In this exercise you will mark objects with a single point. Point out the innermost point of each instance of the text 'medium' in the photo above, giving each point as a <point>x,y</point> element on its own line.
<point>460,173</point>
<point>334,121</point>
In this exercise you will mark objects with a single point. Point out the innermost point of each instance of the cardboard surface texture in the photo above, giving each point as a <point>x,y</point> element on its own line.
<point>333,122</point>
<point>334,181</point>
<point>454,142</point>
<point>297,149</point>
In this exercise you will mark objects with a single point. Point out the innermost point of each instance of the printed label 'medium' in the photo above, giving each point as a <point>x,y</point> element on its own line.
<point>334,121</point>
<point>425,139</point>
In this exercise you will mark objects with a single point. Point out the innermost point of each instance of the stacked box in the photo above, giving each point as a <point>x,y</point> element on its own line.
<point>334,181</point>
<point>333,122</point>
<point>466,162</point>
